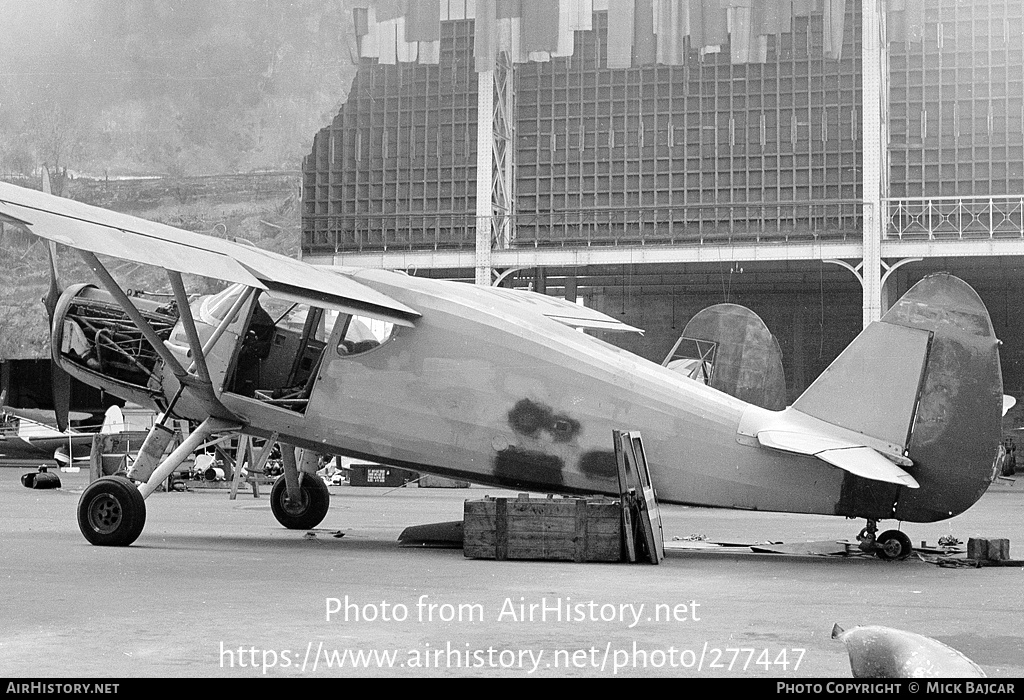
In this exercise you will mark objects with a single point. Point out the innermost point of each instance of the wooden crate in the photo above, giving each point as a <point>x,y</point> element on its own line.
<point>562,529</point>
<point>988,548</point>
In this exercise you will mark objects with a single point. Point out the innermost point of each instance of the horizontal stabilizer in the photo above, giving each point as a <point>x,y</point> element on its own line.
<point>865,462</point>
<point>848,456</point>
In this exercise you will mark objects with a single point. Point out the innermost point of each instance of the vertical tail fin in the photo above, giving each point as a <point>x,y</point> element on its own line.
<point>925,379</point>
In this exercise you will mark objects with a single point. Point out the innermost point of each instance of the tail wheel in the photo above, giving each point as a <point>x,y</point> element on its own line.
<point>893,545</point>
<point>311,508</point>
<point>111,512</point>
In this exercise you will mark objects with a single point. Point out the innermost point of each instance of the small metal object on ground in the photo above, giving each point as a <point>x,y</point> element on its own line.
<point>41,479</point>
<point>883,652</point>
<point>438,535</point>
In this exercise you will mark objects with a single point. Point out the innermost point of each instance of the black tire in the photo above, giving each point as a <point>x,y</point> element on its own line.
<point>307,514</point>
<point>893,545</point>
<point>111,512</point>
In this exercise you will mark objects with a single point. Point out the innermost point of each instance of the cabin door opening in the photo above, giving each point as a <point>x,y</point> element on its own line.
<point>280,355</point>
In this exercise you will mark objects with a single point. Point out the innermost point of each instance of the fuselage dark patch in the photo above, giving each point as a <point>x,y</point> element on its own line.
<point>599,463</point>
<point>529,465</point>
<point>529,418</point>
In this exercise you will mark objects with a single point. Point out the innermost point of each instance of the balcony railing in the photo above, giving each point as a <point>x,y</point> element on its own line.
<point>956,218</point>
<point>693,224</point>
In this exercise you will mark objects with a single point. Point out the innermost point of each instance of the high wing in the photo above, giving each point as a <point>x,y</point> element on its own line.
<point>568,313</point>
<point>511,301</point>
<point>104,232</point>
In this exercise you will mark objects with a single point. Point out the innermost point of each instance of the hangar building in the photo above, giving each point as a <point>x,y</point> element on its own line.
<point>810,159</point>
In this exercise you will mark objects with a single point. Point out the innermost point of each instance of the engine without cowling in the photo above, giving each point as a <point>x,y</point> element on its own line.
<point>93,336</point>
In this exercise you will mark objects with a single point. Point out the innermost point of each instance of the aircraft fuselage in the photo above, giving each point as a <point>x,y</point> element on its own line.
<point>479,391</point>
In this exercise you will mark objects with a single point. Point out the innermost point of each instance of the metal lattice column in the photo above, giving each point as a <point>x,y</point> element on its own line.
<point>495,145</point>
<point>874,91</point>
<point>484,169</point>
<point>503,183</point>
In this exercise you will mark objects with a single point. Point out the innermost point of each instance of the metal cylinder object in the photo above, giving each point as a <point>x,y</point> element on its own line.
<point>214,474</point>
<point>41,479</point>
<point>152,452</point>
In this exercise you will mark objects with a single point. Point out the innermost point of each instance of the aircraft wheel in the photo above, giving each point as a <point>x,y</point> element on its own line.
<point>893,545</point>
<point>311,508</point>
<point>111,512</point>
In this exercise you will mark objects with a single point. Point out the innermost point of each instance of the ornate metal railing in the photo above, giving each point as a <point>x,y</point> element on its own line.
<point>956,218</point>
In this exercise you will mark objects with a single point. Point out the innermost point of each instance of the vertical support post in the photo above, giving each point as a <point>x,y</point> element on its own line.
<point>570,287</point>
<point>874,83</point>
<point>5,382</point>
<point>242,455</point>
<point>484,174</point>
<point>503,192</point>
<point>798,358</point>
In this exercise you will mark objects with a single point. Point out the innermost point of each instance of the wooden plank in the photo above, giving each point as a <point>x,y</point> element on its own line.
<point>638,480</point>
<point>564,526</point>
<point>501,529</point>
<point>580,526</point>
<point>626,505</point>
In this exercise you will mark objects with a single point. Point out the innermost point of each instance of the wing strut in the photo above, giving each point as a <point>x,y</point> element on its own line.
<point>181,296</point>
<point>225,322</point>
<point>133,313</point>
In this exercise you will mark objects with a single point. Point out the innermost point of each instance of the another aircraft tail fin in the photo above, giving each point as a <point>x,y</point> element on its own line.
<point>113,421</point>
<point>926,380</point>
<point>729,347</point>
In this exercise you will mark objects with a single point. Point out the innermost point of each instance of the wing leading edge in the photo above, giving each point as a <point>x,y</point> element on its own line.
<point>104,232</point>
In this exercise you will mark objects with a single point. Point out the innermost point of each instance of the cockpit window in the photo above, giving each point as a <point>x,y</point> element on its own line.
<point>216,307</point>
<point>364,334</point>
<point>289,316</point>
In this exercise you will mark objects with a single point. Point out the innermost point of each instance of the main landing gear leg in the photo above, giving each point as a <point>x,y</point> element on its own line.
<point>299,499</point>
<point>112,510</point>
<point>891,545</point>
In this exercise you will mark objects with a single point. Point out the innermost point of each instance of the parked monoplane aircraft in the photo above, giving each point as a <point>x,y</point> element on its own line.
<point>23,438</point>
<point>496,386</point>
<point>24,435</point>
